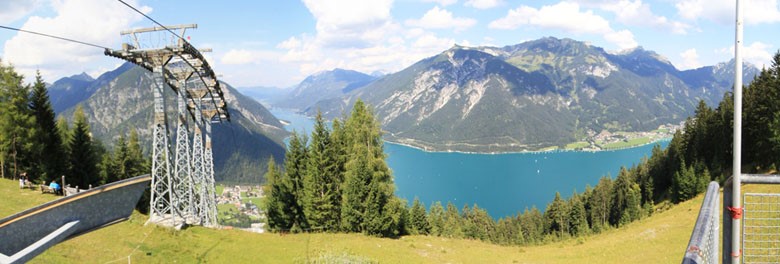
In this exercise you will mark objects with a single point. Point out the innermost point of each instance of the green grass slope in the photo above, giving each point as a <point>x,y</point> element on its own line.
<point>661,238</point>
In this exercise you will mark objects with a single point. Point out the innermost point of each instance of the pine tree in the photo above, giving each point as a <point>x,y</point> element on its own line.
<point>453,223</point>
<point>600,203</point>
<point>368,184</point>
<point>112,164</point>
<point>82,158</point>
<point>277,207</point>
<point>50,153</point>
<point>322,183</point>
<point>532,224</point>
<point>620,195</point>
<point>135,164</point>
<point>17,122</point>
<point>295,169</point>
<point>436,219</point>
<point>418,222</point>
<point>578,223</point>
<point>556,216</point>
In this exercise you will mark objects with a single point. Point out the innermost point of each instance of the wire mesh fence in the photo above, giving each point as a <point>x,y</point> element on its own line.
<point>761,228</point>
<point>703,246</point>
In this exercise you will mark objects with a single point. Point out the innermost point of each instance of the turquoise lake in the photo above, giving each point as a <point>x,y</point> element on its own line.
<point>504,184</point>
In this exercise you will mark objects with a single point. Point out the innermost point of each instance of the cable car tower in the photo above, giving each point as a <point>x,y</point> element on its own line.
<point>182,190</point>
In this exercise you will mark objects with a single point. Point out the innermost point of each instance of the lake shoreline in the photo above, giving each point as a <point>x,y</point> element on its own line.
<point>428,150</point>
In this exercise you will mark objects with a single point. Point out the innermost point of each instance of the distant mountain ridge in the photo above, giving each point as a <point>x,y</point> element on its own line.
<point>121,100</point>
<point>322,86</point>
<point>533,95</point>
<point>69,91</point>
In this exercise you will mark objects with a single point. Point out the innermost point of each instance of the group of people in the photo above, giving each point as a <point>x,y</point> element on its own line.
<point>53,184</point>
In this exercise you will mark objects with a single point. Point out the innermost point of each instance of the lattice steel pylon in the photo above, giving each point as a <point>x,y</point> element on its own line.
<point>162,196</point>
<point>198,175</point>
<point>184,195</point>
<point>182,177</point>
<point>210,203</point>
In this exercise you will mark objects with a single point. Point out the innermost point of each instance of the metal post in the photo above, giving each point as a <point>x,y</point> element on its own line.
<point>736,209</point>
<point>208,167</point>
<point>182,176</point>
<point>162,198</point>
<point>197,162</point>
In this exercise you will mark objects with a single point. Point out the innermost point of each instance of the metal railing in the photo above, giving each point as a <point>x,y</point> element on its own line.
<point>761,228</point>
<point>703,246</point>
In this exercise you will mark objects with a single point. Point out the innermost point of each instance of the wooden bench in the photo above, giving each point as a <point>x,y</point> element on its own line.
<point>47,189</point>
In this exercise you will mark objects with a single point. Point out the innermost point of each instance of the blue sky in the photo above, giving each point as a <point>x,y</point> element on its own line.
<point>278,43</point>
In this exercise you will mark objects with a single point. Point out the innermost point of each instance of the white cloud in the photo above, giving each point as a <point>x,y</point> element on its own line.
<point>567,17</point>
<point>757,53</point>
<point>723,11</point>
<point>11,11</point>
<point>441,18</point>
<point>636,12</point>
<point>690,59</point>
<point>75,19</point>
<point>338,26</point>
<point>244,56</point>
<point>367,42</point>
<point>483,4</point>
<point>441,2</point>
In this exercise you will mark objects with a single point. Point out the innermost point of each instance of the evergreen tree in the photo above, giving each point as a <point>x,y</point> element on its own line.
<point>295,169</point>
<point>453,226</point>
<point>600,203</point>
<point>418,220</point>
<point>355,191</point>
<point>368,184</point>
<point>277,203</point>
<point>686,185</point>
<point>578,220</point>
<point>323,197</point>
<point>17,122</point>
<point>134,163</point>
<point>50,154</point>
<point>82,158</point>
<point>556,216</point>
<point>436,219</point>
<point>65,134</point>
<point>621,193</point>
<point>532,224</point>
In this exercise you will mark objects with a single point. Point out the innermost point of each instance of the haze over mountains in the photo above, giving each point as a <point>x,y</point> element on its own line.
<point>537,94</point>
<point>121,100</point>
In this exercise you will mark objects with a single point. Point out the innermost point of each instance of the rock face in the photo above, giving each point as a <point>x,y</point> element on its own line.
<point>533,95</point>
<point>122,100</point>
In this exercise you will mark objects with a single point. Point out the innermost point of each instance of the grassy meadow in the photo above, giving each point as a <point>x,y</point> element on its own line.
<point>661,238</point>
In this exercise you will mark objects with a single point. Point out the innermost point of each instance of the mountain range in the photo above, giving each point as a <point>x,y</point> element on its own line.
<point>120,100</point>
<point>529,96</point>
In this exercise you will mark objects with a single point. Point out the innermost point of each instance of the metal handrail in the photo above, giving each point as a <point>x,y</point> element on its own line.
<point>703,246</point>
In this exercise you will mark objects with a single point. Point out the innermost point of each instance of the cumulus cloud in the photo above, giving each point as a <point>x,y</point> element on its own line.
<point>441,2</point>
<point>690,59</point>
<point>565,16</point>
<point>364,41</point>
<point>757,53</point>
<point>11,11</point>
<point>483,4</point>
<point>75,19</point>
<point>441,18</point>
<point>722,11</point>
<point>638,13</point>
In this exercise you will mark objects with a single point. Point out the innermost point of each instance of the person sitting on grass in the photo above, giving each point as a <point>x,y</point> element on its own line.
<point>55,186</point>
